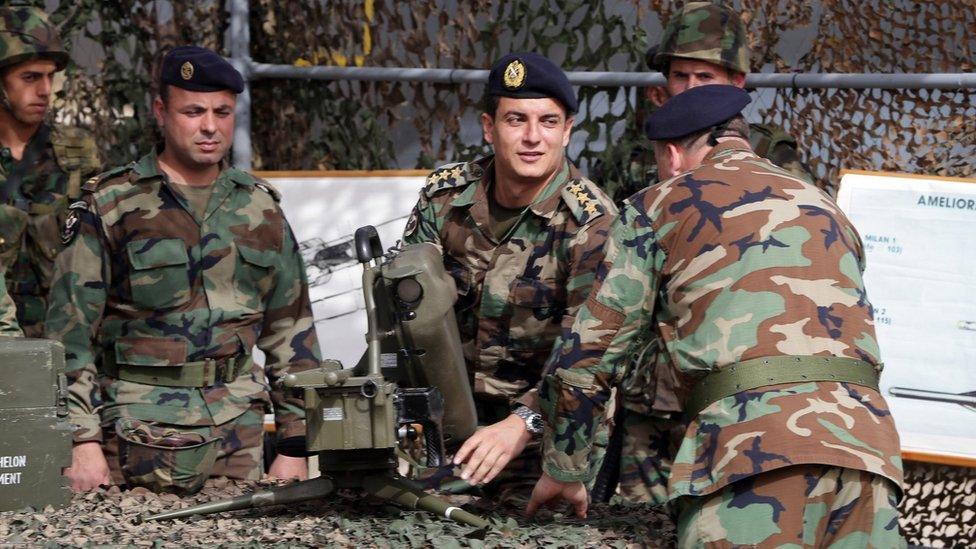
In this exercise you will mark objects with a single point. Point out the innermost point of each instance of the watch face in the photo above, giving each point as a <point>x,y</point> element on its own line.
<point>535,424</point>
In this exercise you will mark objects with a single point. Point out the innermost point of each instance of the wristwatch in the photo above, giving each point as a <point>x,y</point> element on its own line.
<point>533,420</point>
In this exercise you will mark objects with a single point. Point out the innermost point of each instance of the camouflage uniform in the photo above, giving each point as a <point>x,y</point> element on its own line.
<point>34,211</point>
<point>8,313</point>
<point>700,31</point>
<point>625,175</point>
<point>732,261</point>
<point>37,189</point>
<point>516,293</point>
<point>146,292</point>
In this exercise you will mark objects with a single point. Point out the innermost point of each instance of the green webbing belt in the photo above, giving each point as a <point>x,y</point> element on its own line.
<point>202,373</point>
<point>774,370</point>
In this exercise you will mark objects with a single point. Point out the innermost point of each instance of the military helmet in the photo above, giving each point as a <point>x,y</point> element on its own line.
<point>164,458</point>
<point>703,31</point>
<point>26,33</point>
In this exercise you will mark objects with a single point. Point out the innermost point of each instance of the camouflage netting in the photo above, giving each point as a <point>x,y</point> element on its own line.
<point>345,520</point>
<point>360,125</point>
<point>369,125</point>
<point>939,507</point>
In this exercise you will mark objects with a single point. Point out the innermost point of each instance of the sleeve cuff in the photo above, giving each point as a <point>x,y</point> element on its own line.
<point>562,466</point>
<point>530,399</point>
<point>87,429</point>
<point>294,428</point>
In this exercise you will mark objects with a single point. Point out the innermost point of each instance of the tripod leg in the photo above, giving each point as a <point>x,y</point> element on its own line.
<point>279,495</point>
<point>412,497</point>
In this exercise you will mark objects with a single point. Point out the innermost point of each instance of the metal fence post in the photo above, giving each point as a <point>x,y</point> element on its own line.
<point>240,57</point>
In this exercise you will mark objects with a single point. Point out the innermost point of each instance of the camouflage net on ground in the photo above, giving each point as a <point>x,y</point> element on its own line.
<point>344,520</point>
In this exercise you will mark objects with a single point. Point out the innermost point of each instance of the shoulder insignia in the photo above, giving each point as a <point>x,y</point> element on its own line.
<point>584,201</point>
<point>268,188</point>
<point>452,176</point>
<point>75,149</point>
<point>71,223</point>
<point>92,184</point>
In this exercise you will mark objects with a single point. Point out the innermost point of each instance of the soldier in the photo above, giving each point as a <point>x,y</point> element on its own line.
<point>8,313</point>
<point>176,266</point>
<point>702,44</point>
<point>522,232</point>
<point>751,280</point>
<point>41,166</point>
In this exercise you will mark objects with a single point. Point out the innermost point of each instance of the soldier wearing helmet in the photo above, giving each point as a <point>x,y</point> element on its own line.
<point>41,165</point>
<point>702,43</point>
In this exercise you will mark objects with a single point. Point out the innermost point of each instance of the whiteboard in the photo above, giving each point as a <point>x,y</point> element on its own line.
<point>324,212</point>
<point>919,239</point>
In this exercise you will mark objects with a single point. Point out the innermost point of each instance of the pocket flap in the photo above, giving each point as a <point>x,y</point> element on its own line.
<point>261,258</point>
<point>575,379</point>
<point>150,351</point>
<point>533,293</point>
<point>157,252</point>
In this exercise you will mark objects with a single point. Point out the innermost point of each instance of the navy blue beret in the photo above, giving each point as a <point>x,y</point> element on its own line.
<point>696,110</point>
<point>531,76</point>
<point>199,69</point>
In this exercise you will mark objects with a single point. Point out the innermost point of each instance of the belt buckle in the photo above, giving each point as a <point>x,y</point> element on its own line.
<point>226,369</point>
<point>210,371</point>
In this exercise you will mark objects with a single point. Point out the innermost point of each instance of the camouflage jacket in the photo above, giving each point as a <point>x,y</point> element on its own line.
<point>623,177</point>
<point>516,294</point>
<point>144,283</point>
<point>627,171</point>
<point>732,261</point>
<point>31,216</point>
<point>8,313</point>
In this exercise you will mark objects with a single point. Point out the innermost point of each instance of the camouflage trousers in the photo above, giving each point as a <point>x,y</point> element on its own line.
<point>240,452</point>
<point>798,506</point>
<point>648,448</point>
<point>31,311</point>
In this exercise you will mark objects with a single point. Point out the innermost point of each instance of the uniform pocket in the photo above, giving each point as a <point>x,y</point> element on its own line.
<point>254,276</point>
<point>537,310</point>
<point>13,223</point>
<point>160,275</point>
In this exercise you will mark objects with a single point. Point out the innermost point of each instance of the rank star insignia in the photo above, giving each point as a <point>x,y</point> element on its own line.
<point>591,209</point>
<point>186,70</point>
<point>514,75</point>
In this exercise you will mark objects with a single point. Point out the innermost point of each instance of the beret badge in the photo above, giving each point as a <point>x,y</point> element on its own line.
<point>186,71</point>
<point>514,75</point>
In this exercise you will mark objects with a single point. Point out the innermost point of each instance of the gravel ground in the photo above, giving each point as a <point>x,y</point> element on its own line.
<point>344,519</point>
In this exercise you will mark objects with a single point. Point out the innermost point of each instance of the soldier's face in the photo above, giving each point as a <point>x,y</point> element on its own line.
<point>197,126</point>
<point>685,74</point>
<point>529,137</point>
<point>29,86</point>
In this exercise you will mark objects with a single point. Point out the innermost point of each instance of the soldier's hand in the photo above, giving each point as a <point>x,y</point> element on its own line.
<point>550,491</point>
<point>88,470</point>
<point>490,449</point>
<point>286,467</point>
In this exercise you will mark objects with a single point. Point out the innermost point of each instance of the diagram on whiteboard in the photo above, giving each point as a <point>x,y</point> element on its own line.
<point>921,279</point>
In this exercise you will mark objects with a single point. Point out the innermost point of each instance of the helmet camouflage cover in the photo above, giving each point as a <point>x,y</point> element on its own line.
<point>703,31</point>
<point>26,33</point>
<point>164,459</point>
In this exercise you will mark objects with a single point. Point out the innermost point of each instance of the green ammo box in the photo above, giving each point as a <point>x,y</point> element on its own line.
<point>35,435</point>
